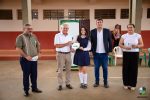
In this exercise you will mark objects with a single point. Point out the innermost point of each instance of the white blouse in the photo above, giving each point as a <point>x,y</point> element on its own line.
<point>131,39</point>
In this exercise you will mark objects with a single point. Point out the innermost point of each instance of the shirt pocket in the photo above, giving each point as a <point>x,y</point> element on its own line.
<point>33,41</point>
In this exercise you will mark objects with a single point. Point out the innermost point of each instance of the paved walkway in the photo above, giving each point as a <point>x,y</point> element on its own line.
<point>11,84</point>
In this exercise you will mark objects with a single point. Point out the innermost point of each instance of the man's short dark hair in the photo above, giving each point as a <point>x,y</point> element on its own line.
<point>99,19</point>
<point>27,24</point>
<point>131,24</point>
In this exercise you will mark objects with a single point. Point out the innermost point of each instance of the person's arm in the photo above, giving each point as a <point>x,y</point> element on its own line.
<point>38,49</point>
<point>92,42</point>
<point>57,42</point>
<point>63,45</point>
<point>19,45</point>
<point>140,44</point>
<point>91,38</point>
<point>110,41</point>
<point>121,44</point>
<point>88,48</point>
<point>37,43</point>
<point>23,54</point>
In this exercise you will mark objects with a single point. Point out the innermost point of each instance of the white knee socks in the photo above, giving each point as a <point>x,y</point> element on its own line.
<point>83,78</point>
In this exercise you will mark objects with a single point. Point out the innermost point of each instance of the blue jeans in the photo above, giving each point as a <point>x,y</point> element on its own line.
<point>101,59</point>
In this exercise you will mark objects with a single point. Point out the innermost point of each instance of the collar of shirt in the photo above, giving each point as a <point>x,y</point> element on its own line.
<point>100,31</point>
<point>64,34</point>
<point>26,34</point>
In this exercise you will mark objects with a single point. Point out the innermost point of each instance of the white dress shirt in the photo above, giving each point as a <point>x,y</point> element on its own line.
<point>100,43</point>
<point>60,38</point>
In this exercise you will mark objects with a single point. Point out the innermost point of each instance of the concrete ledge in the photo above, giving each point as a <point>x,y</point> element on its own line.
<point>46,54</point>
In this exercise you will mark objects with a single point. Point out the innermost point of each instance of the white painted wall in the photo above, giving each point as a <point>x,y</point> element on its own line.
<point>52,25</point>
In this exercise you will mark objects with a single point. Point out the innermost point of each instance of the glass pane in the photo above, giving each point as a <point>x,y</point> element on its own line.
<point>5,14</point>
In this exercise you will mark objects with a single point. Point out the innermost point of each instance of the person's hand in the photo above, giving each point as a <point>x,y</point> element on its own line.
<point>72,50</point>
<point>110,53</point>
<point>39,55</point>
<point>29,58</point>
<point>69,43</point>
<point>81,48</point>
<point>134,46</point>
<point>128,48</point>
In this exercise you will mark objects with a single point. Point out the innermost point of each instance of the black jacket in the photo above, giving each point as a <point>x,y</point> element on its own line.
<point>107,39</point>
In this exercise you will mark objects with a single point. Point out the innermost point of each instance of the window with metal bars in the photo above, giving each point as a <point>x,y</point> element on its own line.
<point>53,14</point>
<point>105,13</point>
<point>124,14</point>
<point>148,12</point>
<point>78,14</point>
<point>34,14</point>
<point>6,14</point>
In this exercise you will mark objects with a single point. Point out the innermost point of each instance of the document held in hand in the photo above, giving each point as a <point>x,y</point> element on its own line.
<point>35,58</point>
<point>75,46</point>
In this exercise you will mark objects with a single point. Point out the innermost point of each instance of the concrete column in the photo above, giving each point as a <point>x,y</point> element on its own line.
<point>26,12</point>
<point>92,19</point>
<point>66,14</point>
<point>135,14</point>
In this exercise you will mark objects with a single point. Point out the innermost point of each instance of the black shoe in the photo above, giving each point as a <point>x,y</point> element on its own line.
<point>26,93</point>
<point>36,90</point>
<point>69,86</point>
<point>95,85</point>
<point>59,88</point>
<point>81,85</point>
<point>85,86</point>
<point>106,85</point>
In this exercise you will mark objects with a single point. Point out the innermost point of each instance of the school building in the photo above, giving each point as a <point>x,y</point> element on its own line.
<point>45,15</point>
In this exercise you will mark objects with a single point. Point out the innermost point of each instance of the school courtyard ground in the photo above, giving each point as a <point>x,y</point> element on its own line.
<point>11,84</point>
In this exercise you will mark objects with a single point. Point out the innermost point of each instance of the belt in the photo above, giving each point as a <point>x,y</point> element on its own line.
<point>64,52</point>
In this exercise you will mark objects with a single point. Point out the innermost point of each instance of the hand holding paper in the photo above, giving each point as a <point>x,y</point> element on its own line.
<point>75,45</point>
<point>35,58</point>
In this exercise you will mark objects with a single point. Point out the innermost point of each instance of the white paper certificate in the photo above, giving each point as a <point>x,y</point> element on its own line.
<point>35,58</point>
<point>75,46</point>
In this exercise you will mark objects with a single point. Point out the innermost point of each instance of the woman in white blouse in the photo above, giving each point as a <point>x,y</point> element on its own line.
<point>130,43</point>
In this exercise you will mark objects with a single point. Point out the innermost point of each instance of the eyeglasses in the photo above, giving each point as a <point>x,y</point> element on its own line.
<point>29,28</point>
<point>65,28</point>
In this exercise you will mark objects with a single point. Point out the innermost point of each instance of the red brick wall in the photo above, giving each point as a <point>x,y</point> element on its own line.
<point>8,39</point>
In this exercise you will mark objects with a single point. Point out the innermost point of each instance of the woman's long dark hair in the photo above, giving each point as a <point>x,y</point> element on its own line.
<point>86,32</point>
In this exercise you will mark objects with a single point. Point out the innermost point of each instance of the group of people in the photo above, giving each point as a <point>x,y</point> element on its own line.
<point>99,42</point>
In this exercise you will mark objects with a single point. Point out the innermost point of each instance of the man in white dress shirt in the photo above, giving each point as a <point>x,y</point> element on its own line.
<point>63,42</point>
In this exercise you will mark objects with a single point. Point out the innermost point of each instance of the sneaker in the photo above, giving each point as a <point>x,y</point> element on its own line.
<point>132,88</point>
<point>106,85</point>
<point>59,88</point>
<point>26,93</point>
<point>36,90</point>
<point>85,86</point>
<point>81,85</point>
<point>69,86</point>
<point>95,85</point>
<point>125,87</point>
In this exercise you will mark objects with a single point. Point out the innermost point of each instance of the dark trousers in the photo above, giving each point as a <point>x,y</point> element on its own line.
<point>29,69</point>
<point>101,59</point>
<point>130,68</point>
